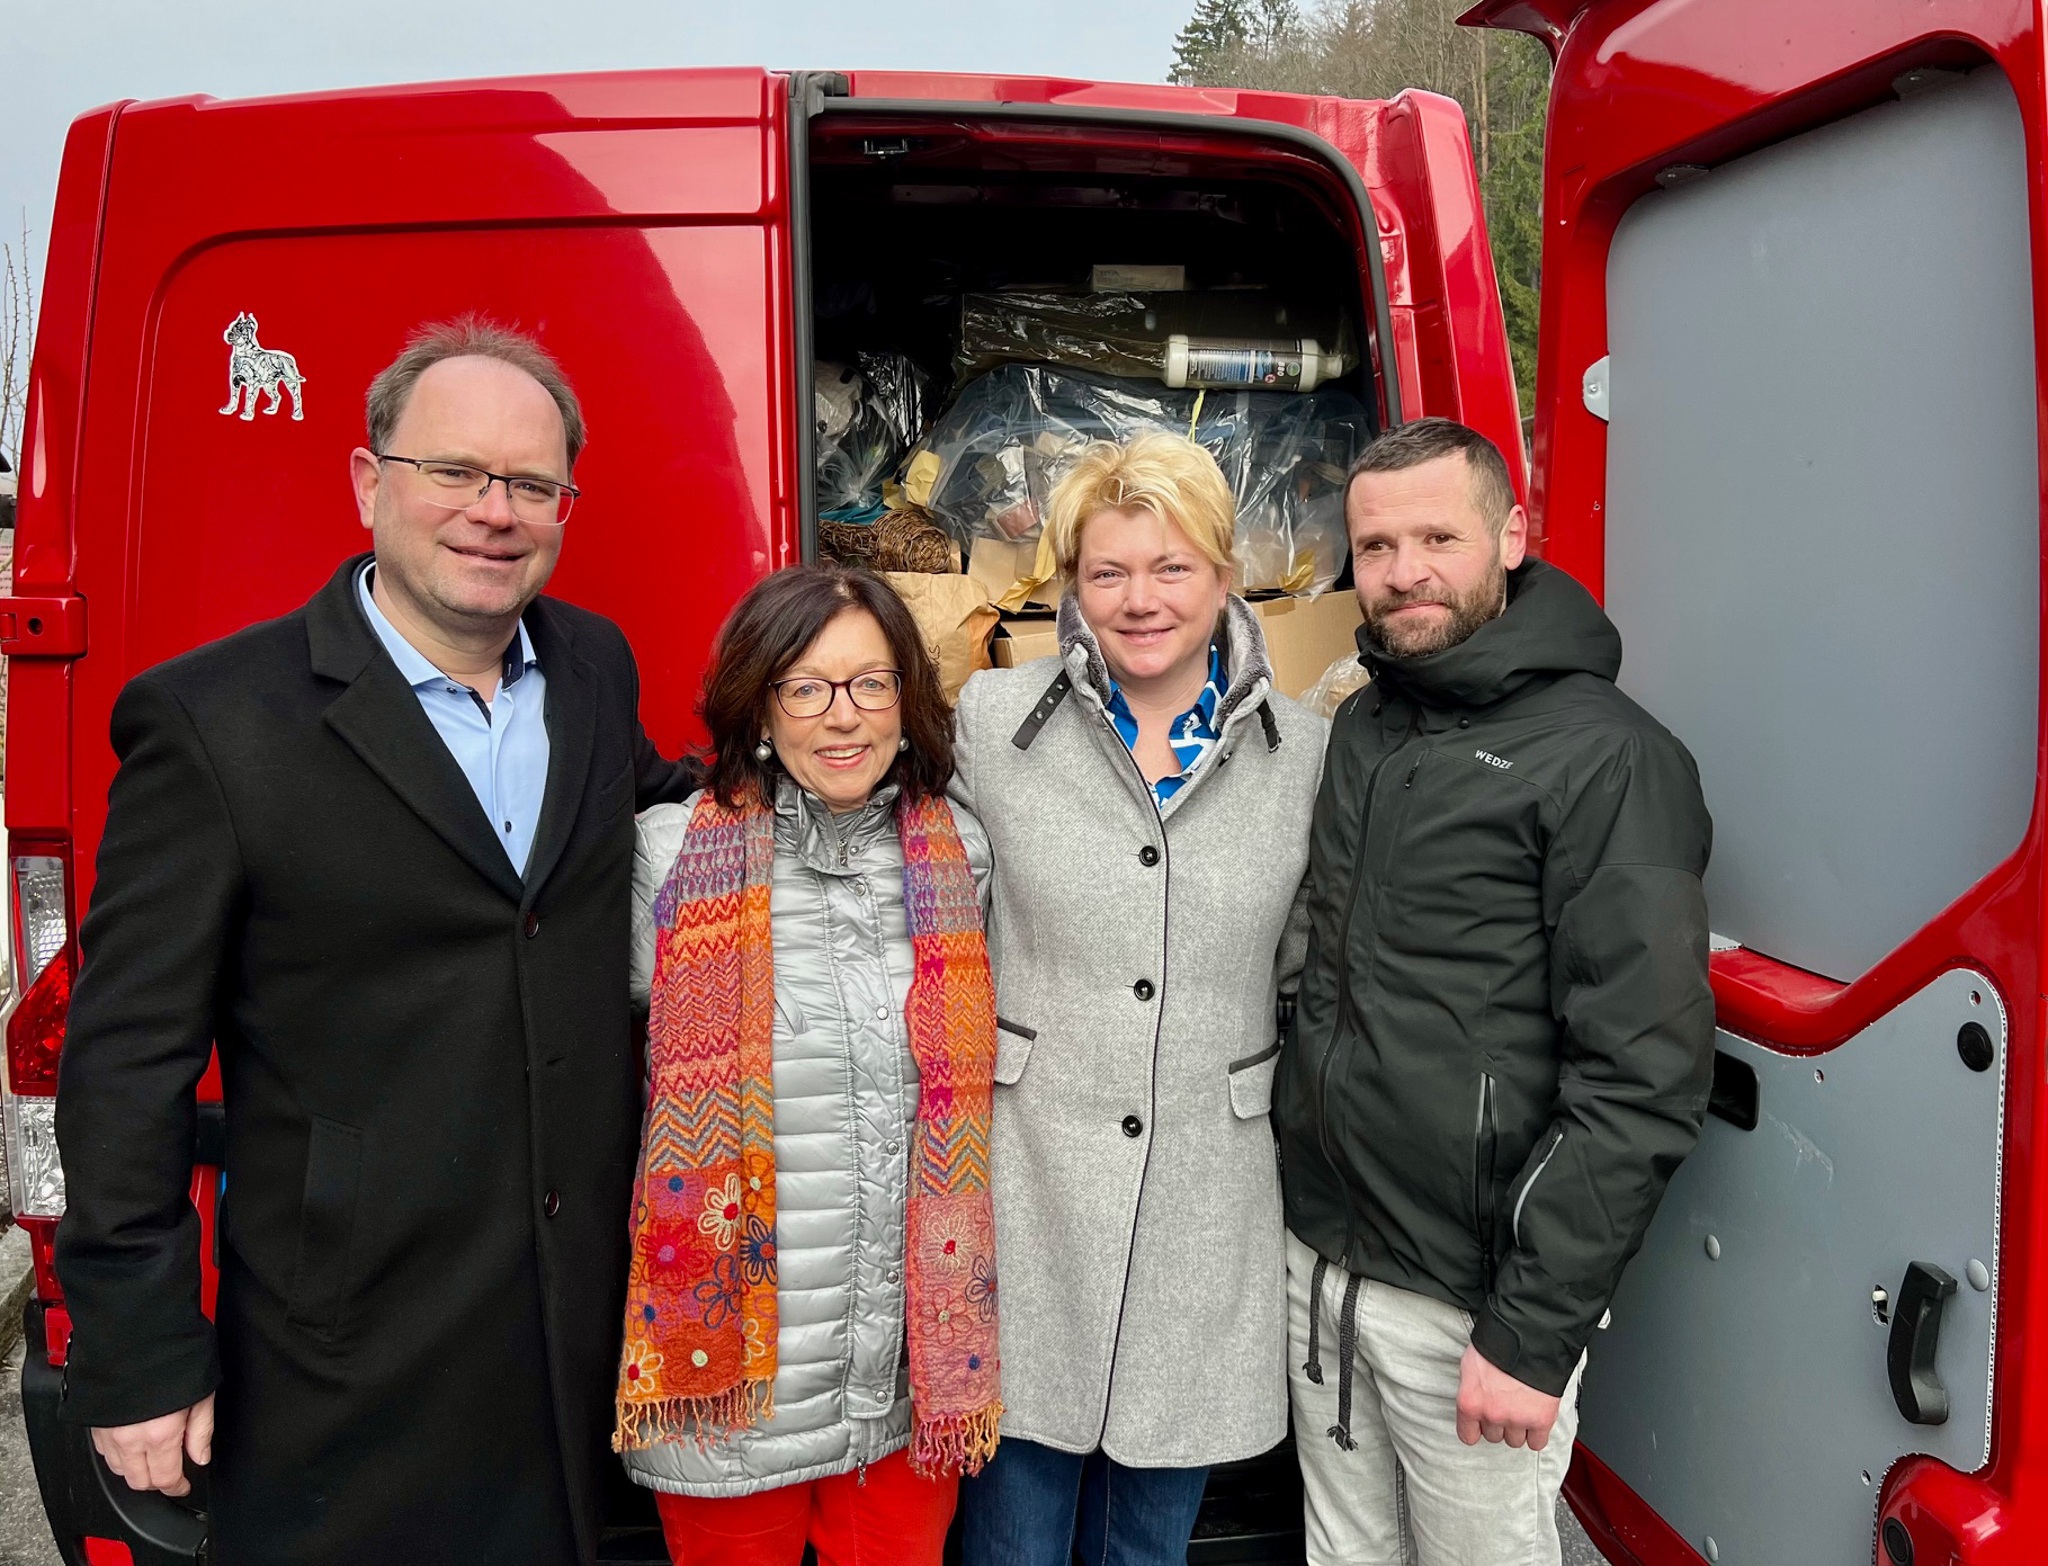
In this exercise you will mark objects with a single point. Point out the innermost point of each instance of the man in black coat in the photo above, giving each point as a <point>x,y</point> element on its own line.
<point>379,852</point>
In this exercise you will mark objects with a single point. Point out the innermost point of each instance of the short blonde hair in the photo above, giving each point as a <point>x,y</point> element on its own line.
<point>1165,474</point>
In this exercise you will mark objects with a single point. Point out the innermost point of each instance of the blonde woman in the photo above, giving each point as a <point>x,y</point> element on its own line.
<point>1147,799</point>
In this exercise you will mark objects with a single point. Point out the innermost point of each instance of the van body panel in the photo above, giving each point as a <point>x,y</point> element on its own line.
<point>1650,94</point>
<point>1450,340</point>
<point>346,221</point>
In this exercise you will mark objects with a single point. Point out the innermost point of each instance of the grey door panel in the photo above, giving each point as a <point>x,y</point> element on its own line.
<point>1823,513</point>
<point>1741,1387</point>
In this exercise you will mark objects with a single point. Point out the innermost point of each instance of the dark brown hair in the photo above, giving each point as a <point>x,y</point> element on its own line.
<point>1424,440</point>
<point>468,336</point>
<point>768,631</point>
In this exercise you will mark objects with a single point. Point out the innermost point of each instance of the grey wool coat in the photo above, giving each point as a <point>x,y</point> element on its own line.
<point>1137,959</point>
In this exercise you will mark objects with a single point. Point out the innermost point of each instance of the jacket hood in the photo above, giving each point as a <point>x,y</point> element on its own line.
<point>1551,626</point>
<point>1247,671</point>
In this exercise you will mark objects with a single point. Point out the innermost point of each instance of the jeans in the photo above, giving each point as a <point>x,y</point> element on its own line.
<point>1036,1506</point>
<point>1406,1489</point>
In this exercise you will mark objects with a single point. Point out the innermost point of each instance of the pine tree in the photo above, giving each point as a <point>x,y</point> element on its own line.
<point>1277,21</point>
<point>1216,27</point>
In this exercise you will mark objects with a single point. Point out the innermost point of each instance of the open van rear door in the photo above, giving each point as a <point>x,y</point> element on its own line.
<point>1788,426</point>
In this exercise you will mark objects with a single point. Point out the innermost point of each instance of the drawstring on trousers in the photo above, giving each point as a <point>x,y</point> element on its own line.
<point>1314,1368</point>
<point>1347,1349</point>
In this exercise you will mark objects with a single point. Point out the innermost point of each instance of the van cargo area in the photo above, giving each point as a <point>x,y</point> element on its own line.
<point>988,294</point>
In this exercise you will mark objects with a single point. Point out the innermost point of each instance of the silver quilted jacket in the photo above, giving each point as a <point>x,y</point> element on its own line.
<point>845,1104</point>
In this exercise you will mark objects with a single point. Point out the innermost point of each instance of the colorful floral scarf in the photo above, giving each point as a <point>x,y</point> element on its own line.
<point>699,1359</point>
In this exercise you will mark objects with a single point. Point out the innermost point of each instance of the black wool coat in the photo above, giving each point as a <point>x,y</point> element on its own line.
<point>431,1084</point>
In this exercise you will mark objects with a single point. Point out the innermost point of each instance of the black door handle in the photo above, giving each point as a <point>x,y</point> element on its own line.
<point>1916,1334</point>
<point>1734,1095</point>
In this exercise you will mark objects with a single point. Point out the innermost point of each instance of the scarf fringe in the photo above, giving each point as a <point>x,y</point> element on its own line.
<point>955,1442</point>
<point>698,1420</point>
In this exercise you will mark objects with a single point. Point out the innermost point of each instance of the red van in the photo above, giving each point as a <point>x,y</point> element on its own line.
<point>1788,426</point>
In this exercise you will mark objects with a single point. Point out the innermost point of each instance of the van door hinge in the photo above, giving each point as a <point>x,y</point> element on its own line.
<point>42,627</point>
<point>1593,387</point>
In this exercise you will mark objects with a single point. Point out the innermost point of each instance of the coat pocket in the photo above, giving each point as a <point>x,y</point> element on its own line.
<point>327,1221</point>
<point>1013,1049</point>
<point>1251,1082</point>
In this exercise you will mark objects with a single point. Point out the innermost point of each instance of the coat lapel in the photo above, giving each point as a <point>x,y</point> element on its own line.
<point>379,717</point>
<point>572,731</point>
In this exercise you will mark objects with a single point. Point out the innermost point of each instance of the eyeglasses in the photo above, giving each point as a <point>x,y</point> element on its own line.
<point>872,690</point>
<point>540,501</point>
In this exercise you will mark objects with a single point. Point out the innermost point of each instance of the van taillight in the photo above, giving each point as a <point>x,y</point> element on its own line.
<point>39,899</point>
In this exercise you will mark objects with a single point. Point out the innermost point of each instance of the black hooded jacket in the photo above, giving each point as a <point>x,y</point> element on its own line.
<point>1503,1041</point>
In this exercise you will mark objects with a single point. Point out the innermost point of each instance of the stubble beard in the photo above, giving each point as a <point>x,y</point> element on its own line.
<point>1468,613</point>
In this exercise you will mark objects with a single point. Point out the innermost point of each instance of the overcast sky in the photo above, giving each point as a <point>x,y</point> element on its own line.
<point>59,58</point>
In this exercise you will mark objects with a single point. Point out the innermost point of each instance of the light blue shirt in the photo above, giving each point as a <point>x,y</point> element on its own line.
<point>501,745</point>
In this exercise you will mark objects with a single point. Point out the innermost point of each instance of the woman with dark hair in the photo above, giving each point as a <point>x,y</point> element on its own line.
<point>810,1345</point>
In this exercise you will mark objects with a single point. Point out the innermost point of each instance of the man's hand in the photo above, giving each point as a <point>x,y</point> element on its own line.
<point>149,1455</point>
<point>1494,1406</point>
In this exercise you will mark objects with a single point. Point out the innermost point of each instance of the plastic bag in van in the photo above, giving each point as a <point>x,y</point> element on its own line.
<point>992,457</point>
<point>867,414</point>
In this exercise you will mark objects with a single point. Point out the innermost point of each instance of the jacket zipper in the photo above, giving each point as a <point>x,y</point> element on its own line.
<point>1556,1141</point>
<point>1344,951</point>
<point>1485,1144</point>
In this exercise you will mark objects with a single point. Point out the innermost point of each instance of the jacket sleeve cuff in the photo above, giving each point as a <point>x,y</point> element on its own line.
<point>136,1385</point>
<point>1546,1366</point>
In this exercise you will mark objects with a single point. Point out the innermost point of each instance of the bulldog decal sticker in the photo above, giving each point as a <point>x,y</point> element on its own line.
<point>252,368</point>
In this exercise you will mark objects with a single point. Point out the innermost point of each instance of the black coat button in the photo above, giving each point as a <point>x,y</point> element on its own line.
<point>532,925</point>
<point>1142,989</point>
<point>551,1203</point>
<point>1133,1126</point>
<point>1148,856</point>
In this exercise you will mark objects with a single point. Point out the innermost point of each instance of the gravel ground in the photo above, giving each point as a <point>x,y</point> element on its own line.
<point>1578,1549</point>
<point>24,1534</point>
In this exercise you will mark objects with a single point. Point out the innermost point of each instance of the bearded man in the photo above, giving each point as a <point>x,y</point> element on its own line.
<point>1503,1042</point>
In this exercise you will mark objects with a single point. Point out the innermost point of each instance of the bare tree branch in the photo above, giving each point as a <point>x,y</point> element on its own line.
<point>17,333</point>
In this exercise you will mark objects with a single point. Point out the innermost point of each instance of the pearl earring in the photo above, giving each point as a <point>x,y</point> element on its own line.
<point>763,751</point>
<point>903,745</point>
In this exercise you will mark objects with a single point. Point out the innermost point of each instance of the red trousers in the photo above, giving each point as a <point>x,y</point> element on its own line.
<point>895,1518</point>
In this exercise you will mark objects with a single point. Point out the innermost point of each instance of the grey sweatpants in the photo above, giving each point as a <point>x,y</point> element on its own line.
<point>1409,1490</point>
